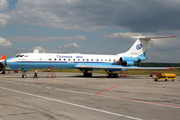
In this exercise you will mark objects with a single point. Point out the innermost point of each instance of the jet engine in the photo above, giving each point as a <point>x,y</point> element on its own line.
<point>129,61</point>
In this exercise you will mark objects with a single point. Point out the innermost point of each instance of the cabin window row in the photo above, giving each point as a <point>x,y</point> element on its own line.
<point>83,59</point>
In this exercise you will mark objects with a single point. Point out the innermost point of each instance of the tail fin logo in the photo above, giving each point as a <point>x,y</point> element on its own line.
<point>139,46</point>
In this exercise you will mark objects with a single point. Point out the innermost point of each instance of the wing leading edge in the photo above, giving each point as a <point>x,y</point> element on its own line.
<point>115,67</point>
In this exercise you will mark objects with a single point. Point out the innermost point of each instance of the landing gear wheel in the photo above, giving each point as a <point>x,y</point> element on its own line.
<point>90,75</point>
<point>3,72</point>
<point>24,76</point>
<point>113,75</point>
<point>87,75</point>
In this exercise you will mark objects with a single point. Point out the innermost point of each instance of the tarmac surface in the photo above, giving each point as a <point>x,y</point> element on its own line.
<point>70,96</point>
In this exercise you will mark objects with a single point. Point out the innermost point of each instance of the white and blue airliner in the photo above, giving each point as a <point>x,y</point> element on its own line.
<point>84,62</point>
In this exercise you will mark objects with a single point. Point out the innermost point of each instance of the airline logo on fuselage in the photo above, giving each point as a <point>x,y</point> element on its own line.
<point>68,56</point>
<point>139,46</point>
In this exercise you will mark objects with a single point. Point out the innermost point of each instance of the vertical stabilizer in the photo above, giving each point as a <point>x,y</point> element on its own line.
<point>139,48</point>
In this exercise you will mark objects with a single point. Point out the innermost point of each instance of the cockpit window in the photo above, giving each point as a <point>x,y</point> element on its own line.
<point>21,55</point>
<point>17,55</point>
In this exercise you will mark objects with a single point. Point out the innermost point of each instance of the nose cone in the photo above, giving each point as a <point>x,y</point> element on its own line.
<point>4,62</point>
<point>8,61</point>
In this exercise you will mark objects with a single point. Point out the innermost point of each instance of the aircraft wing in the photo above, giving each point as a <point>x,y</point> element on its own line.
<point>116,67</point>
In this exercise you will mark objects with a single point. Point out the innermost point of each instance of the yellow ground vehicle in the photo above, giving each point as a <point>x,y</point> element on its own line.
<point>165,76</point>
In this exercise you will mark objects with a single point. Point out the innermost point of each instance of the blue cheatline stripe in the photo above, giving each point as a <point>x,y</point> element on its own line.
<point>55,62</point>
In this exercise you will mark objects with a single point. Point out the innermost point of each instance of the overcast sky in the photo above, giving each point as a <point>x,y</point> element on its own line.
<point>89,26</point>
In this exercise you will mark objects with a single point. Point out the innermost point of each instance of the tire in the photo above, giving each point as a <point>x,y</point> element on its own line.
<point>90,75</point>
<point>3,72</point>
<point>115,75</point>
<point>24,76</point>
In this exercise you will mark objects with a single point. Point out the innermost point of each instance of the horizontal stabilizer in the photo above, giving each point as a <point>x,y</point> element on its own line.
<point>150,38</point>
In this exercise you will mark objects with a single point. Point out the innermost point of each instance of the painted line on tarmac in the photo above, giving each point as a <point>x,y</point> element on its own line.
<point>107,89</point>
<point>68,103</point>
<point>98,94</point>
<point>74,91</point>
<point>152,103</point>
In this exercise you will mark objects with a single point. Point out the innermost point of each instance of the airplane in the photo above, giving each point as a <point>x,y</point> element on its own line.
<point>85,62</point>
<point>3,67</point>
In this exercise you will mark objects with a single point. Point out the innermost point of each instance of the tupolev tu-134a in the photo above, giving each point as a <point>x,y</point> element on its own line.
<point>84,62</point>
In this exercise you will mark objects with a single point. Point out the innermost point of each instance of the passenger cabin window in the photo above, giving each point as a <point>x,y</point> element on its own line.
<point>83,59</point>
<point>87,59</point>
<point>91,59</point>
<point>69,59</point>
<point>78,59</point>
<point>73,59</point>
<point>97,60</point>
<point>55,59</point>
<point>49,58</point>
<point>105,59</point>
<point>59,59</point>
<point>109,59</point>
<point>64,59</point>
<point>101,59</point>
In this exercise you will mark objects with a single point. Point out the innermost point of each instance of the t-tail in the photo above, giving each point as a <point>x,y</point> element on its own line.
<point>138,51</point>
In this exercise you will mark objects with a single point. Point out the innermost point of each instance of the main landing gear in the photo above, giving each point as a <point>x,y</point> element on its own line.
<point>86,73</point>
<point>112,75</point>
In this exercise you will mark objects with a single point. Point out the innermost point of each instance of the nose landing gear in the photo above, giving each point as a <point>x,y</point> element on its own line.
<point>24,76</point>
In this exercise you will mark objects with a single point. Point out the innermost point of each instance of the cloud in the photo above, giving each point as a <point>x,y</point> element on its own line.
<point>135,15</point>
<point>4,42</point>
<point>4,19</point>
<point>45,50</point>
<point>3,5</point>
<point>71,45</point>
<point>45,39</point>
<point>32,30</point>
<point>169,44</point>
<point>122,36</point>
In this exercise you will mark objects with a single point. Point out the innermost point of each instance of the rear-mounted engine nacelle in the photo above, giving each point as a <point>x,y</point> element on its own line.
<point>129,61</point>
